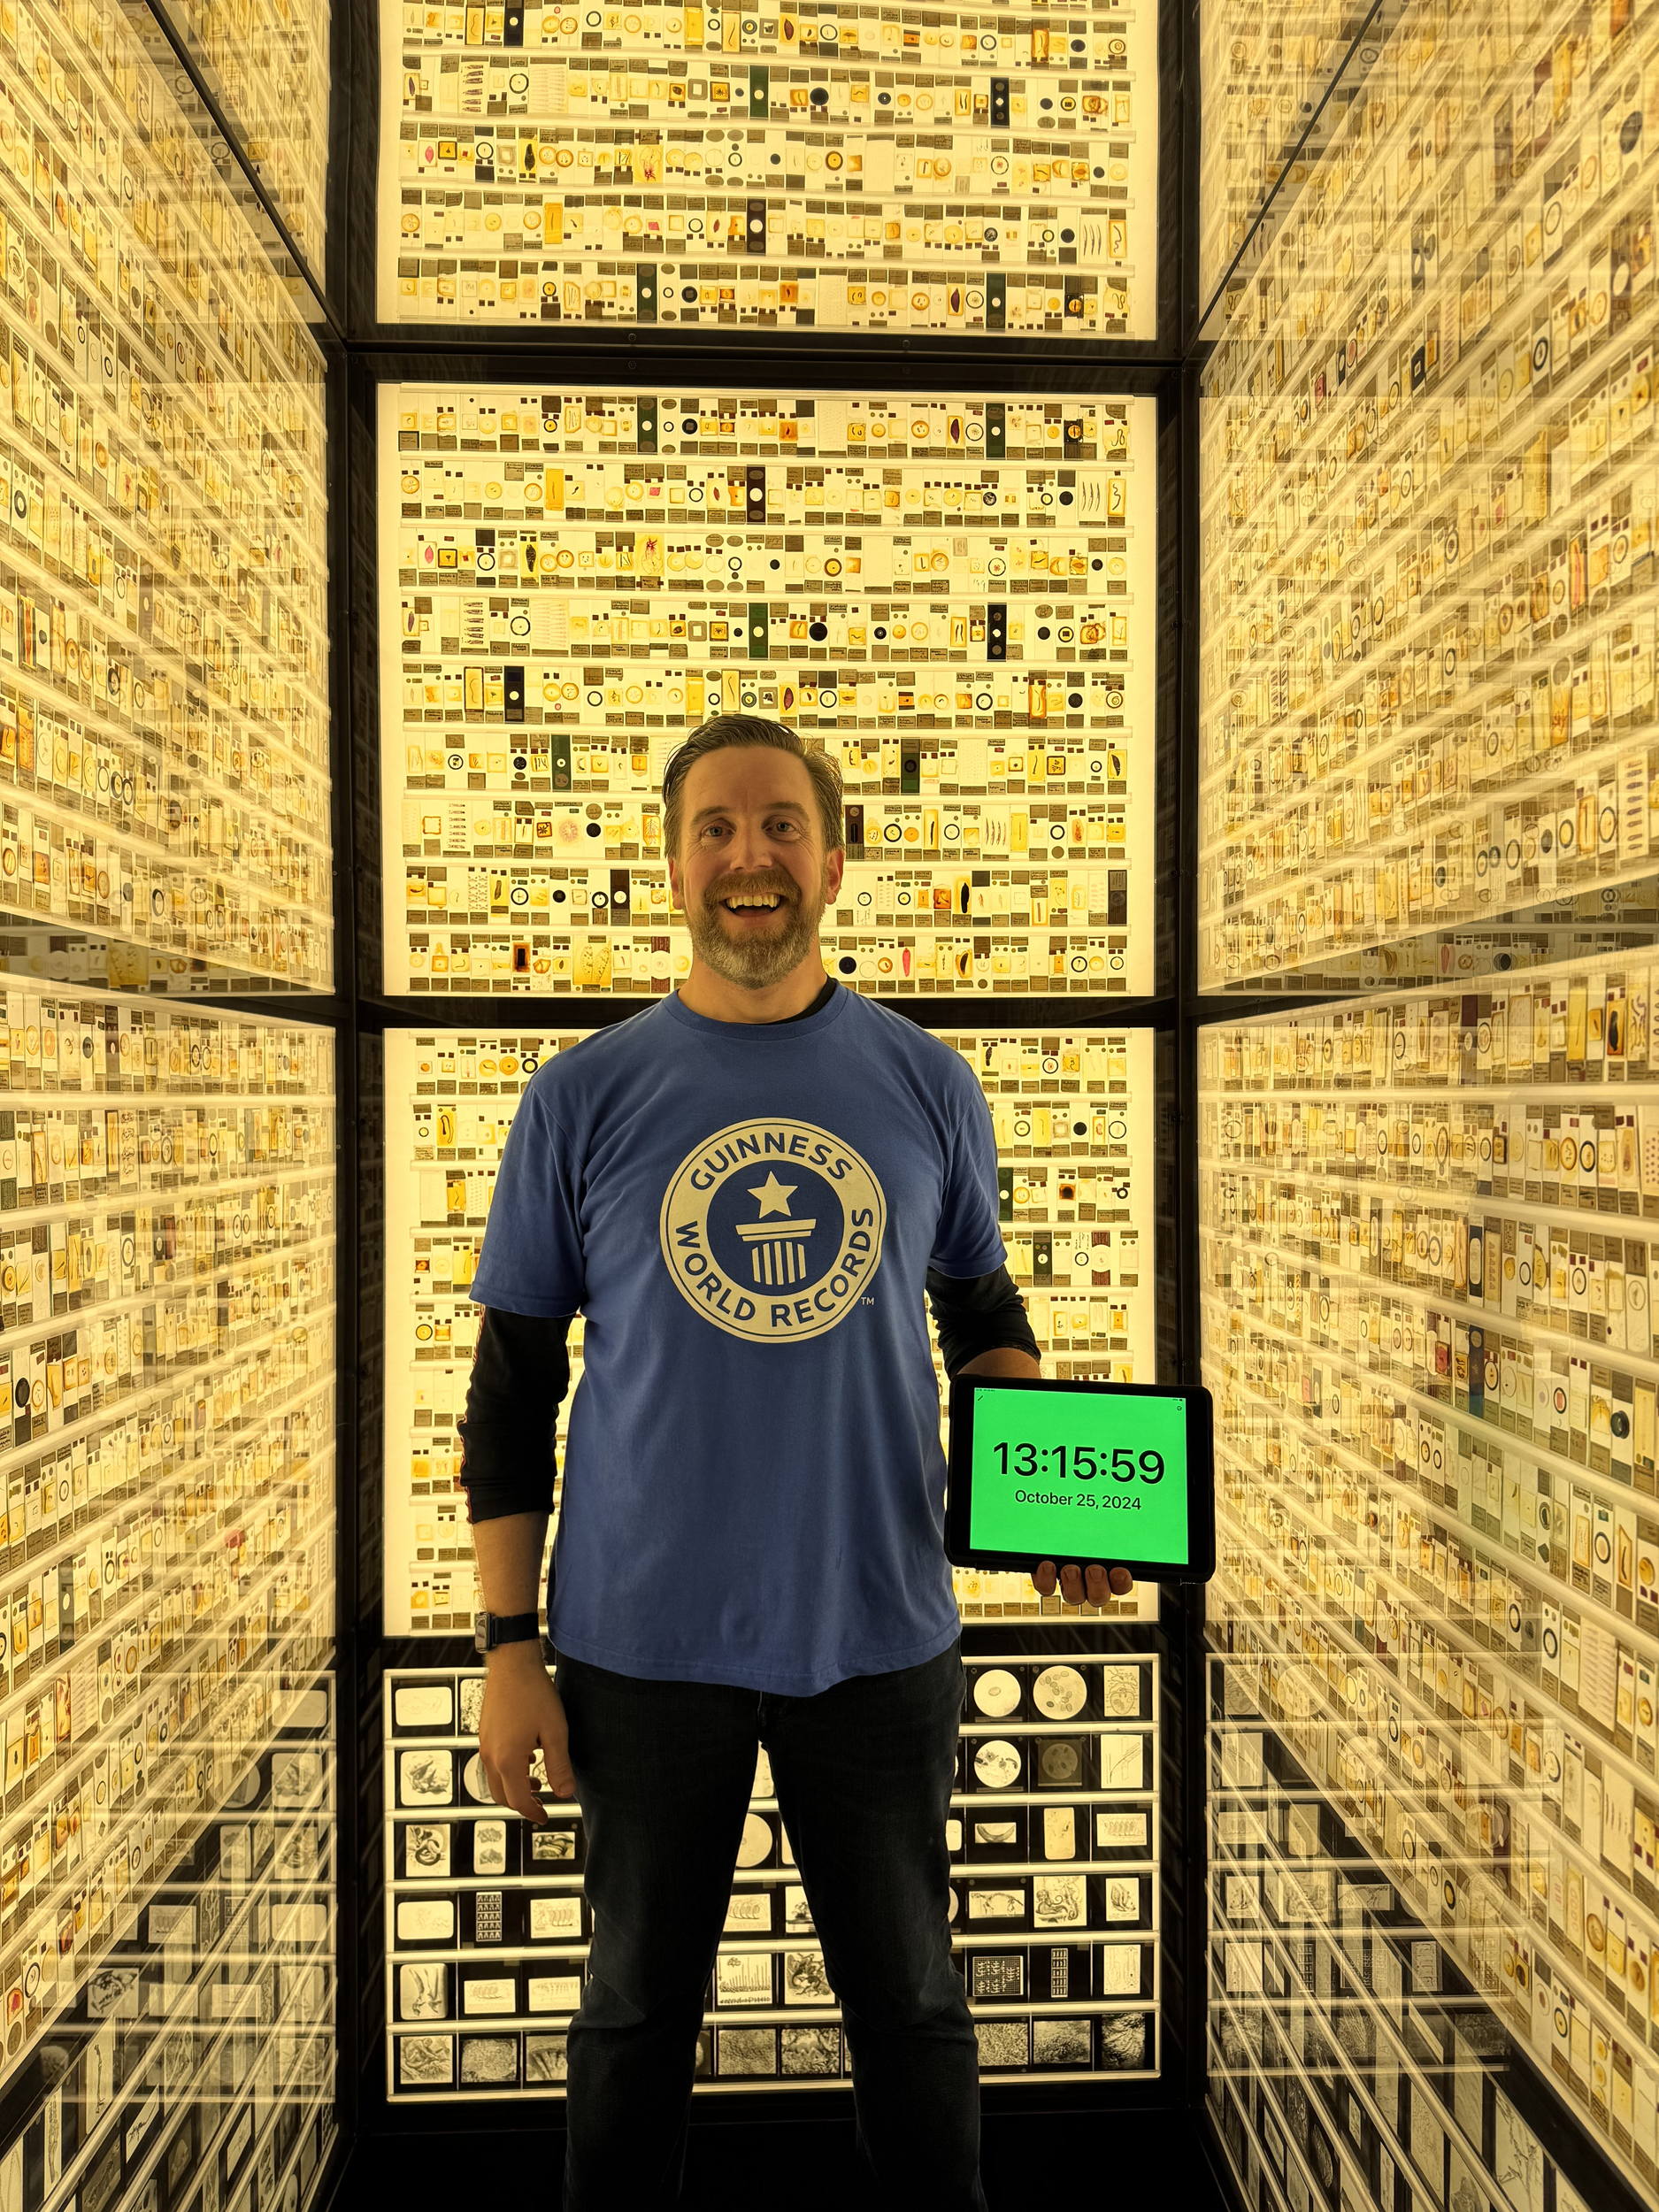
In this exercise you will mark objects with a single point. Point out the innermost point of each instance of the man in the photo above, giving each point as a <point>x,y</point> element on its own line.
<point>744,1191</point>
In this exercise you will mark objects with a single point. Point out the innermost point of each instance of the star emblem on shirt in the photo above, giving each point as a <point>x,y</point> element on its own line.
<point>773,1195</point>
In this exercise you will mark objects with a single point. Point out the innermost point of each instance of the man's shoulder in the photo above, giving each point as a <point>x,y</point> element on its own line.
<point>589,1064</point>
<point>887,1031</point>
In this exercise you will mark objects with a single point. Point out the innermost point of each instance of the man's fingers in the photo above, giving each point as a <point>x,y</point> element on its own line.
<point>1108,1582</point>
<point>516,1790</point>
<point>521,1796</point>
<point>561,1779</point>
<point>1079,1585</point>
<point>1093,1585</point>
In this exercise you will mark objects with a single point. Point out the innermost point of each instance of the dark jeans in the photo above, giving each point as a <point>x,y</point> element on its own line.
<point>863,1773</point>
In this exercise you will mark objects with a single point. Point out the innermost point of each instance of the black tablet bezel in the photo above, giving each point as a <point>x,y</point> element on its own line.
<point>1200,1563</point>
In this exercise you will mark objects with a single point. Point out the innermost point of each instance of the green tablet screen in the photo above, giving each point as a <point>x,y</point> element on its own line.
<point>1083,1477</point>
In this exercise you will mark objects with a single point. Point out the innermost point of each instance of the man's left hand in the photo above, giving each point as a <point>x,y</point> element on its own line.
<point>1080,1585</point>
<point>1077,1585</point>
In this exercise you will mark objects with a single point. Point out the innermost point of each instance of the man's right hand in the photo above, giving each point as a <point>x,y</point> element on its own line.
<point>523,1712</point>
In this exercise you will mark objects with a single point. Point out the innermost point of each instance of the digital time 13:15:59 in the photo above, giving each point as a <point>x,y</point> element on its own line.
<point>1082,1462</point>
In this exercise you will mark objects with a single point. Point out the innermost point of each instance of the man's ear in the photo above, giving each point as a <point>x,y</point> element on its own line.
<point>676,904</point>
<point>837,868</point>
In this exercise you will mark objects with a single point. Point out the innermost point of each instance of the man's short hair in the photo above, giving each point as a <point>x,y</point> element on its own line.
<point>729,733</point>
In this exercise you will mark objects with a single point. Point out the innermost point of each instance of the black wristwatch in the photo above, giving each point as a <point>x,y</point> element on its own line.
<point>490,1629</point>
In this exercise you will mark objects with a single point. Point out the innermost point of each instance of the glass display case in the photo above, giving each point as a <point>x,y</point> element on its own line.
<point>952,596</point>
<point>1073,1118</point>
<point>975,172</point>
<point>951,592</point>
<point>1054,1843</point>
<point>168,1876</point>
<point>1428,1213</point>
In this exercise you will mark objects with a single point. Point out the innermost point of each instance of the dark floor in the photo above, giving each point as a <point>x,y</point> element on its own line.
<point>803,2165</point>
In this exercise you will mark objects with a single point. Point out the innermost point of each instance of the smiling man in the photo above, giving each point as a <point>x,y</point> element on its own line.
<point>748,1193</point>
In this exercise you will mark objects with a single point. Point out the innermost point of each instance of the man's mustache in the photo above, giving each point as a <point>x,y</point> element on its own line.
<point>742,889</point>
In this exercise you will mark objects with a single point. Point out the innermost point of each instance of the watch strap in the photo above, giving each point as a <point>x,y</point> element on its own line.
<point>491,1630</point>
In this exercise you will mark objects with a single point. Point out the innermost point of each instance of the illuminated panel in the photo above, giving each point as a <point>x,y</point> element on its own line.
<point>974,171</point>
<point>168,1732</point>
<point>1428,496</point>
<point>1054,1844</point>
<point>953,597</point>
<point>164,723</point>
<point>1430,1249</point>
<point>1073,1118</point>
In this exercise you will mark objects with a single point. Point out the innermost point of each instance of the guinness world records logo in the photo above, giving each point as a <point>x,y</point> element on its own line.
<point>772,1229</point>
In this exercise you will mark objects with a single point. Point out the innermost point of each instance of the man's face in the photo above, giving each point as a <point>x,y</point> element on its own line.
<point>752,874</point>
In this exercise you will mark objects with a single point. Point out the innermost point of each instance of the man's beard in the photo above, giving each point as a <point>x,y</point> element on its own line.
<point>755,963</point>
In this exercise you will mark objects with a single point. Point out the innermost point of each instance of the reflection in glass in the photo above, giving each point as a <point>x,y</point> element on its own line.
<point>266,63</point>
<point>1428,524</point>
<point>167,1583</point>
<point>164,787</point>
<point>1428,1216</point>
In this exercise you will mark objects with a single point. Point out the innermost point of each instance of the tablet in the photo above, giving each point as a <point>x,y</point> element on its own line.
<point>1078,1471</point>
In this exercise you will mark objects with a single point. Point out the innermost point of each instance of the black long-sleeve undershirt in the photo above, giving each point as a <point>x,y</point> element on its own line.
<point>521,1370</point>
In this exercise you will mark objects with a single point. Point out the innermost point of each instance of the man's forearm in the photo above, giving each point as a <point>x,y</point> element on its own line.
<point>1007,1359</point>
<point>509,1555</point>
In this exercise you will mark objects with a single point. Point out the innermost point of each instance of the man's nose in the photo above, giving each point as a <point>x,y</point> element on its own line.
<point>751,850</point>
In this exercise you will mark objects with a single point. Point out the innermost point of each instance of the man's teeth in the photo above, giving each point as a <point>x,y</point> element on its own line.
<point>766,899</point>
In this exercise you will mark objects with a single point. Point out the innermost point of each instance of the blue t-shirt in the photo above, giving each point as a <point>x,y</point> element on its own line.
<point>744,1215</point>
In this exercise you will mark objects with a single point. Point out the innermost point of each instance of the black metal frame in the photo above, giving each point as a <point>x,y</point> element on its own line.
<point>1175,1638</point>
